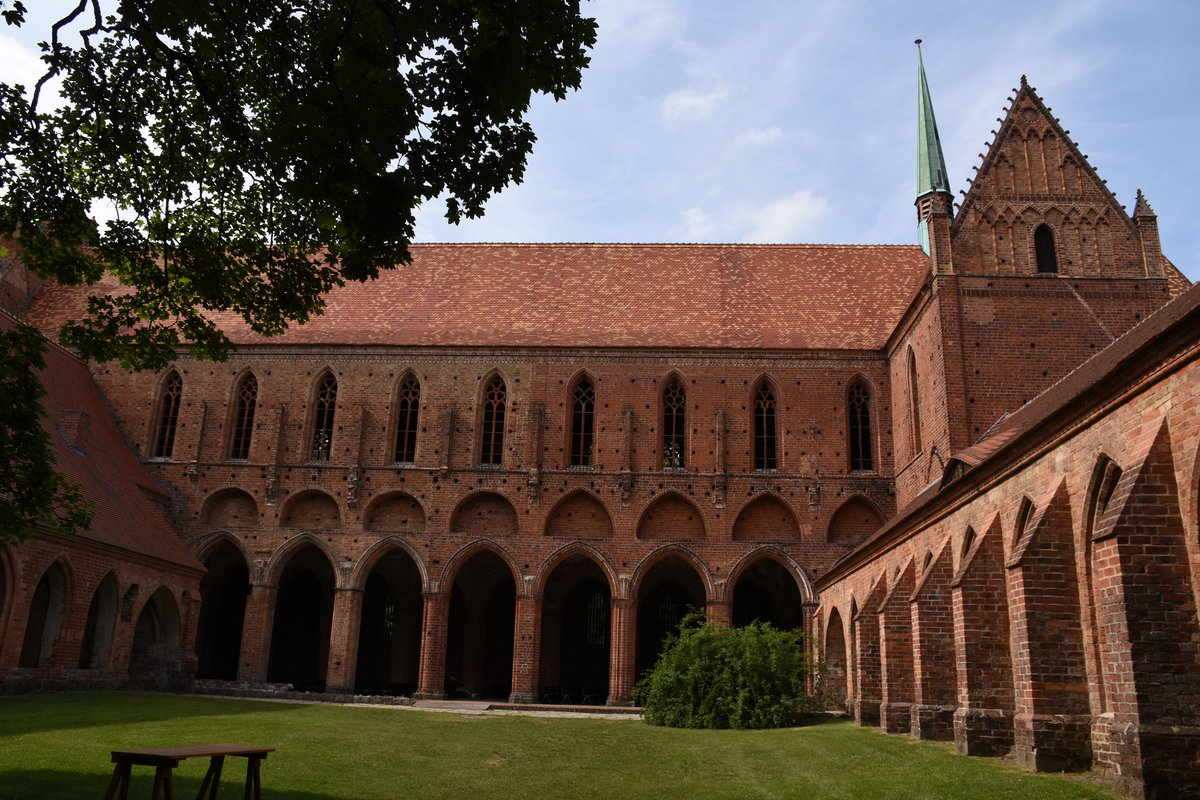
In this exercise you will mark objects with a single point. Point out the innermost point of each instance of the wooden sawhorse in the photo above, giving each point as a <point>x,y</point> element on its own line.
<point>165,759</point>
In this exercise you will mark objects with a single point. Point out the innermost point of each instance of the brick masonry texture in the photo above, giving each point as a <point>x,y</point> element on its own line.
<point>1016,571</point>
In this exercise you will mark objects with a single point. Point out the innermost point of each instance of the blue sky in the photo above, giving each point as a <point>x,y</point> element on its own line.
<point>792,121</point>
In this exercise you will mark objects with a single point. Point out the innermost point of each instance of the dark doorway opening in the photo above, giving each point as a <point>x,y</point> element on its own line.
<point>479,642</point>
<point>303,613</point>
<point>223,592</point>
<point>575,634</point>
<point>389,638</point>
<point>767,592</point>
<point>670,589</point>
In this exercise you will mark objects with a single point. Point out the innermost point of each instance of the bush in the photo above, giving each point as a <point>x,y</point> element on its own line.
<point>711,676</point>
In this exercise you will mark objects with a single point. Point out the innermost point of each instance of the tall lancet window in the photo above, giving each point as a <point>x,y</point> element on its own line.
<point>674,429</point>
<point>914,405</point>
<point>494,400</point>
<point>243,416</point>
<point>764,429</point>
<point>858,406</point>
<point>167,419</point>
<point>583,422</point>
<point>324,406</point>
<point>1043,249</point>
<point>408,403</point>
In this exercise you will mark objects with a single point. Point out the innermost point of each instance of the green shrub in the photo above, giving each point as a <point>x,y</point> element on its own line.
<point>711,676</point>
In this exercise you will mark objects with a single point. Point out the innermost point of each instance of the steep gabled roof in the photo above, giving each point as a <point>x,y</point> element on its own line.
<point>603,295</point>
<point>98,460</point>
<point>1026,112</point>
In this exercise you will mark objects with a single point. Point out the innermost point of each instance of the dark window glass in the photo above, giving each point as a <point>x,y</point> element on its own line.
<point>1043,249</point>
<point>492,450</point>
<point>243,417</point>
<point>674,426</point>
<point>859,407</point>
<point>764,428</point>
<point>583,416</point>
<point>168,416</point>
<point>325,404</point>
<point>408,402</point>
<point>597,621</point>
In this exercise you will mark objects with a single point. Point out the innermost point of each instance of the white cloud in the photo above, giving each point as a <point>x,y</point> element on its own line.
<point>787,219</point>
<point>758,137</point>
<point>21,64</point>
<point>791,218</point>
<point>689,104</point>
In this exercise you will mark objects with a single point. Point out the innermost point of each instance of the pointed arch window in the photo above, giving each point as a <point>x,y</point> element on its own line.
<point>858,409</point>
<point>324,406</point>
<point>583,422</point>
<point>408,405</point>
<point>494,402</point>
<point>167,419</point>
<point>914,405</point>
<point>1043,250</point>
<point>674,428</point>
<point>765,440</point>
<point>243,416</point>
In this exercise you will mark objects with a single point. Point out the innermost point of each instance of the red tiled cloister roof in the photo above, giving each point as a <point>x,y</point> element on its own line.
<point>608,295</point>
<point>94,456</point>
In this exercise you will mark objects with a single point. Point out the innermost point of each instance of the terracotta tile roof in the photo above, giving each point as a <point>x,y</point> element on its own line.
<point>607,295</point>
<point>110,474</point>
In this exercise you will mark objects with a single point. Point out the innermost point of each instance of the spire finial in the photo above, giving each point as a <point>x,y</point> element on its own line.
<point>1141,208</point>
<point>931,166</point>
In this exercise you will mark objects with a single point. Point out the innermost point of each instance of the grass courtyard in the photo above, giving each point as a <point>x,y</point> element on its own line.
<point>56,747</point>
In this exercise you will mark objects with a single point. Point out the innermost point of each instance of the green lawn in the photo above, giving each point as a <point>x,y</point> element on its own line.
<point>56,747</point>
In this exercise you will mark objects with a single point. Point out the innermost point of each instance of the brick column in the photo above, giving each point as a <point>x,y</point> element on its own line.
<point>343,641</point>
<point>720,612</point>
<point>622,652</point>
<point>527,646</point>
<point>431,684</point>
<point>256,633</point>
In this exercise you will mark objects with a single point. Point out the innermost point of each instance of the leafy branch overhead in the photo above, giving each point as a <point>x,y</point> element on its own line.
<point>258,154</point>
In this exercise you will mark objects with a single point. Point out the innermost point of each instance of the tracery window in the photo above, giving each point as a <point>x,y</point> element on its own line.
<point>168,415</point>
<point>858,407</point>
<point>674,429</point>
<point>494,400</point>
<point>1043,249</point>
<point>243,416</point>
<point>408,403</point>
<point>324,405</point>
<point>764,429</point>
<point>583,422</point>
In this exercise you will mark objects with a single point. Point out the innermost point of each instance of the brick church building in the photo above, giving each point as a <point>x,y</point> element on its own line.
<point>969,467</point>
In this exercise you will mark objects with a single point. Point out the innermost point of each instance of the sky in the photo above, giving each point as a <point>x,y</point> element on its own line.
<point>795,121</point>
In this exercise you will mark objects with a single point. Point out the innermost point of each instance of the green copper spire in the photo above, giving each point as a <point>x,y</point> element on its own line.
<point>931,167</point>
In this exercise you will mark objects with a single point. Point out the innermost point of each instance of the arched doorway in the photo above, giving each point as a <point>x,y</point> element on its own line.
<point>767,592</point>
<point>223,594</point>
<point>98,631</point>
<point>155,661</point>
<point>303,614</point>
<point>389,639</point>
<point>669,590</point>
<point>479,642</point>
<point>575,633</point>
<point>45,618</point>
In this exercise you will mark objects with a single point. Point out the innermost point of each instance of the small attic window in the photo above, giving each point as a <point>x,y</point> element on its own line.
<point>1043,250</point>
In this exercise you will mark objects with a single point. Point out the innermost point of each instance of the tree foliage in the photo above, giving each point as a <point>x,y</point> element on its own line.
<point>34,495</point>
<point>259,153</point>
<point>712,676</point>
